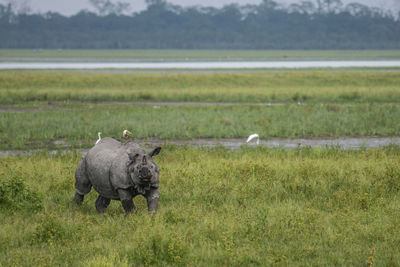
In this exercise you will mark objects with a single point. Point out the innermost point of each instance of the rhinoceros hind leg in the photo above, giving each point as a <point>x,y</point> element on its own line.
<point>78,198</point>
<point>82,183</point>
<point>102,203</point>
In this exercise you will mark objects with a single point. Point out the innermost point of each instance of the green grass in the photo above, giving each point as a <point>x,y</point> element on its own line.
<point>78,124</point>
<point>306,207</point>
<point>311,87</point>
<point>255,206</point>
<point>62,106</point>
<point>25,55</point>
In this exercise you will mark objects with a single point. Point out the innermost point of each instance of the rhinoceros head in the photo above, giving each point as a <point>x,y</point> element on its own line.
<point>142,168</point>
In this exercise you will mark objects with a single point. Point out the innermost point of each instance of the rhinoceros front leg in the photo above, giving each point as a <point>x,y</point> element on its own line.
<point>78,198</point>
<point>152,200</point>
<point>102,203</point>
<point>126,200</point>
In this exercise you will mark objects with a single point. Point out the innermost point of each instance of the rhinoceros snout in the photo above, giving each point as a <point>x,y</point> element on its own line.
<point>144,173</point>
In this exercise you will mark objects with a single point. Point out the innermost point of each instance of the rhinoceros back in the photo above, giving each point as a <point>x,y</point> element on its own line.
<point>99,160</point>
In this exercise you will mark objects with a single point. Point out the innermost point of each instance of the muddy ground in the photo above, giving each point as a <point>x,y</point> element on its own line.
<point>237,143</point>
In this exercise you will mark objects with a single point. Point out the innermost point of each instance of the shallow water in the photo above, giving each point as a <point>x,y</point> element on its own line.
<point>237,143</point>
<point>197,65</point>
<point>344,143</point>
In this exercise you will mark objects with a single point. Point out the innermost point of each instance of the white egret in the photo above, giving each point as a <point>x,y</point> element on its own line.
<point>98,140</point>
<point>125,133</point>
<point>251,137</point>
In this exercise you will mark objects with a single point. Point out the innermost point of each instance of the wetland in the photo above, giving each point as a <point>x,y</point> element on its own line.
<point>322,188</point>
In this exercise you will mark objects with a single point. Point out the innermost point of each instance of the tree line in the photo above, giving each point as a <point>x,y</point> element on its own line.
<point>318,24</point>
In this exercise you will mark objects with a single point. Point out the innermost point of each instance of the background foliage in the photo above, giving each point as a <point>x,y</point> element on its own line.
<point>325,24</point>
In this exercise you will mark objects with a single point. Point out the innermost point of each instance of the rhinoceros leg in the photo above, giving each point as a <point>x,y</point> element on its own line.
<point>102,203</point>
<point>78,198</point>
<point>152,204</point>
<point>152,199</point>
<point>82,183</point>
<point>126,200</point>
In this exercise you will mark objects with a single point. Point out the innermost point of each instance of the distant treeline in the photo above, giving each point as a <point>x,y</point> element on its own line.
<point>322,24</point>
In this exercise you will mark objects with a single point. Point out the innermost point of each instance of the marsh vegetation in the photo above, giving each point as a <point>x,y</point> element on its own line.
<point>73,107</point>
<point>162,55</point>
<point>78,124</point>
<point>309,87</point>
<point>252,206</point>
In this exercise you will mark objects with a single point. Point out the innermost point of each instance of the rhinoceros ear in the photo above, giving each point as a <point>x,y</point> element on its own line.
<point>155,151</point>
<point>133,156</point>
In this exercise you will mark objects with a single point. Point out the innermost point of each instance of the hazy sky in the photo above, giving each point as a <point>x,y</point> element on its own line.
<point>69,7</point>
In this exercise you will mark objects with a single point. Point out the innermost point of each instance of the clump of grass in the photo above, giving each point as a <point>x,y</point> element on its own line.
<point>15,195</point>
<point>371,258</point>
<point>49,230</point>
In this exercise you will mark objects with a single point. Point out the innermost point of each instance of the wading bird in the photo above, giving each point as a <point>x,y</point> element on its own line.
<point>98,140</point>
<point>125,133</point>
<point>251,137</point>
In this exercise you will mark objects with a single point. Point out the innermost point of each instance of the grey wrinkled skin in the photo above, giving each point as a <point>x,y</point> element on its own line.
<point>118,171</point>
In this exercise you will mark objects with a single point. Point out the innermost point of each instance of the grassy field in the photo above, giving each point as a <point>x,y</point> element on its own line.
<point>254,206</point>
<point>287,87</point>
<point>25,55</point>
<point>78,124</point>
<point>305,207</point>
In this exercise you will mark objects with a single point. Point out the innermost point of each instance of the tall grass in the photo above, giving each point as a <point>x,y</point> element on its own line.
<point>217,207</point>
<point>78,124</point>
<point>333,87</point>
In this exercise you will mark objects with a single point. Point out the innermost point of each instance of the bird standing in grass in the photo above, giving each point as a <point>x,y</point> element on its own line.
<point>251,137</point>
<point>125,137</point>
<point>98,140</point>
<point>125,133</point>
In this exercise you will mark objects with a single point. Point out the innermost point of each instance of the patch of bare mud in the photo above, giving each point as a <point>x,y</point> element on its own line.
<point>184,104</point>
<point>343,143</point>
<point>56,105</point>
<point>11,109</point>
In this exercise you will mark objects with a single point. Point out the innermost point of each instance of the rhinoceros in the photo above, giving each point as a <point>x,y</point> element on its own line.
<point>118,171</point>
